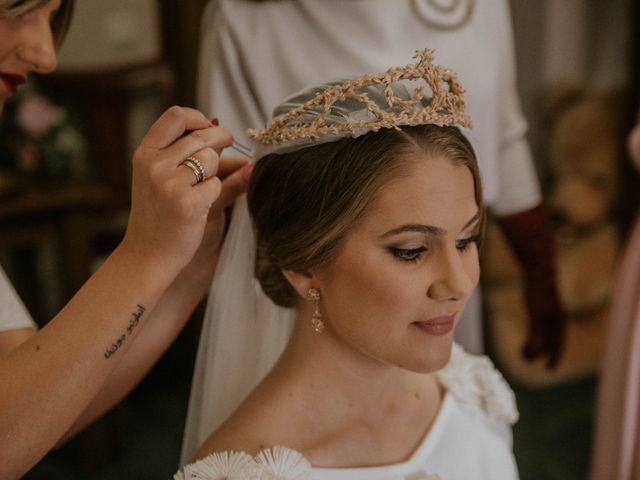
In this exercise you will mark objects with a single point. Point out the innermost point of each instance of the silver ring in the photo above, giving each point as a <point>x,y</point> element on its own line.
<point>196,167</point>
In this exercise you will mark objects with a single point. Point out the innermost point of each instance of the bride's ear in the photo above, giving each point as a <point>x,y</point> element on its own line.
<point>300,281</point>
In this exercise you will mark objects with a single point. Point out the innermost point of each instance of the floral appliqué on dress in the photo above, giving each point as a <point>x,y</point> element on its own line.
<point>278,463</point>
<point>472,379</point>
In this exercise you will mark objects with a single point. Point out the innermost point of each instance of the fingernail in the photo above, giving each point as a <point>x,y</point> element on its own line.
<point>215,122</point>
<point>246,173</point>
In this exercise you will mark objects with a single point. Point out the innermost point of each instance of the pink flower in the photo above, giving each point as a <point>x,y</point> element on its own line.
<point>27,158</point>
<point>36,114</point>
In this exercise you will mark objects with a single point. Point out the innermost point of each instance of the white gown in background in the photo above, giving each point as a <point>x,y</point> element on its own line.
<point>13,314</point>
<point>255,54</point>
<point>469,439</point>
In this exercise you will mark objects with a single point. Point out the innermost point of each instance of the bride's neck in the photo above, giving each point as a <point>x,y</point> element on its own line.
<point>336,405</point>
<point>335,370</point>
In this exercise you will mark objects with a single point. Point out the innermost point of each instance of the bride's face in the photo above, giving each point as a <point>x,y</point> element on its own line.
<point>404,273</point>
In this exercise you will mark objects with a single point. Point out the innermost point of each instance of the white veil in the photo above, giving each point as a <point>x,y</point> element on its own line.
<point>241,345</point>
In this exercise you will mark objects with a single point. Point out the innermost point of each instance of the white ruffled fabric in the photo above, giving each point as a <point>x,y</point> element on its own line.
<point>277,463</point>
<point>474,380</point>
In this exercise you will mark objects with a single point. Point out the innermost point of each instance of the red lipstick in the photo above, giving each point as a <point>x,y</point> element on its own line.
<point>437,326</point>
<point>12,81</point>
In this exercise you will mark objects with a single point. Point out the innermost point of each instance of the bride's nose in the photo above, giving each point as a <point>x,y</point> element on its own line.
<point>453,282</point>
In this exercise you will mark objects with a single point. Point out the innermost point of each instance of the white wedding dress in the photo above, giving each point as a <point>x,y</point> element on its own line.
<point>469,439</point>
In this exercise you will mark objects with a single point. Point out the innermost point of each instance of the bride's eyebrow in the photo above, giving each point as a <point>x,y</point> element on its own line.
<point>472,220</point>
<point>427,229</point>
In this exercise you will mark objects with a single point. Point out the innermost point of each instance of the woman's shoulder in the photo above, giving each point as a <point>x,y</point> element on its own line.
<point>277,463</point>
<point>474,380</point>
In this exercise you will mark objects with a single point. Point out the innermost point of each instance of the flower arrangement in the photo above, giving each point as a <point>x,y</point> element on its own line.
<point>38,139</point>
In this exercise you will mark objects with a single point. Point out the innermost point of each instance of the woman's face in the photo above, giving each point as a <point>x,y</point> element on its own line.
<point>404,273</point>
<point>26,45</point>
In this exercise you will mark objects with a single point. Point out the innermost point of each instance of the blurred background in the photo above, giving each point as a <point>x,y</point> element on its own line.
<point>124,61</point>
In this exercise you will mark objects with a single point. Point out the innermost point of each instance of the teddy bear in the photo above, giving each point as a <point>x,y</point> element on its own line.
<point>584,149</point>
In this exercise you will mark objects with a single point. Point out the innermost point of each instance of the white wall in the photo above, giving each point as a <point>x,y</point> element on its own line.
<point>109,34</point>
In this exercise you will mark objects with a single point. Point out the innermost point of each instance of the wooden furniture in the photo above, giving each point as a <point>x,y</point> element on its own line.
<point>63,214</point>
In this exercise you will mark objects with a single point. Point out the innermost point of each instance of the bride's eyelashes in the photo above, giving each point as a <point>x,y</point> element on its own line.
<point>464,243</point>
<point>407,254</point>
<point>414,254</point>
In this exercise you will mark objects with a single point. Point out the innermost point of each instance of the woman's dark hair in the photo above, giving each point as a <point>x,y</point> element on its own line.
<point>304,203</point>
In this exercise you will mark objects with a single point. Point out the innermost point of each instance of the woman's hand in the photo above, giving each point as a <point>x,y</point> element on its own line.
<point>169,208</point>
<point>530,236</point>
<point>233,172</point>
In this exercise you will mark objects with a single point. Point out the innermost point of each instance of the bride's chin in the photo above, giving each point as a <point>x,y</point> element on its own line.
<point>431,360</point>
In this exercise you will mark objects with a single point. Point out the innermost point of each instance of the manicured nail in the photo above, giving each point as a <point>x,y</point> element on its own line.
<point>246,173</point>
<point>215,122</point>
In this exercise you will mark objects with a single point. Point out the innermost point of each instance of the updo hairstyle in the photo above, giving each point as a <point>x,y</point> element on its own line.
<point>303,203</point>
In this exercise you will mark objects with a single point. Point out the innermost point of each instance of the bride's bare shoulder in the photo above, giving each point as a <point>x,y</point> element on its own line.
<point>246,440</point>
<point>260,422</point>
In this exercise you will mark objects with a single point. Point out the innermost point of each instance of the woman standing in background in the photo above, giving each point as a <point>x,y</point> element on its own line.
<point>256,52</point>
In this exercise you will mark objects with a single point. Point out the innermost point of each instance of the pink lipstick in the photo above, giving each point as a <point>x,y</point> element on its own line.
<point>12,81</point>
<point>437,326</point>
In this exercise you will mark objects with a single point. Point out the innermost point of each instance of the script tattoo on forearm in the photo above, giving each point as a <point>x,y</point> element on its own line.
<point>133,323</point>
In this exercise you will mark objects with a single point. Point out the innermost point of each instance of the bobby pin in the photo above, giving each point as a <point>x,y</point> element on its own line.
<point>244,150</point>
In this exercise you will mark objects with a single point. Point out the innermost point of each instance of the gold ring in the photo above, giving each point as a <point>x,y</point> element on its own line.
<point>196,167</point>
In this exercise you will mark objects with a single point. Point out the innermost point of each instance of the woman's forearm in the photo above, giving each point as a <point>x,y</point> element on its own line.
<point>49,380</point>
<point>163,325</point>
<point>173,309</point>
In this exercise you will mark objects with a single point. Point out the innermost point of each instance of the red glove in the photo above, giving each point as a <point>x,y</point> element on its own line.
<point>530,236</point>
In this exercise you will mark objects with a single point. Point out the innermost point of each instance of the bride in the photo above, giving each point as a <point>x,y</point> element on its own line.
<point>337,360</point>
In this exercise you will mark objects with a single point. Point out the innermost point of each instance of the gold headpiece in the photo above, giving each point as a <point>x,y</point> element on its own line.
<point>379,103</point>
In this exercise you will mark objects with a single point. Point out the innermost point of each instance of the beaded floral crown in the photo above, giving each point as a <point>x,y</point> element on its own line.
<point>352,107</point>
